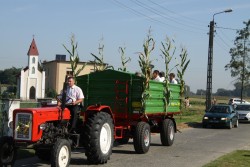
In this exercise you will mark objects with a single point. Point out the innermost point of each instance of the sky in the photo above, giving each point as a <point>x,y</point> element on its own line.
<point>124,23</point>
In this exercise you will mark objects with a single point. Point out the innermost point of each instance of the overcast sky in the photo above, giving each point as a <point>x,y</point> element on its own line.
<point>123,23</point>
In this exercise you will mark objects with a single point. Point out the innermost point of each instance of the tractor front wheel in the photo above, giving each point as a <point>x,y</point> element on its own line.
<point>99,133</point>
<point>7,151</point>
<point>142,137</point>
<point>61,153</point>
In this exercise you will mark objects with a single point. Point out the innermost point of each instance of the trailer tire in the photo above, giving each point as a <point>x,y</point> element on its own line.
<point>43,154</point>
<point>99,138</point>
<point>167,132</point>
<point>61,153</point>
<point>7,151</point>
<point>142,138</point>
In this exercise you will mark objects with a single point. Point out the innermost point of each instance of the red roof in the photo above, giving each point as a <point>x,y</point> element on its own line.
<point>33,49</point>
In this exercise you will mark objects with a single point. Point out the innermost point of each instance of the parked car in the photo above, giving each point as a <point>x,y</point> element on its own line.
<point>221,115</point>
<point>237,101</point>
<point>244,112</point>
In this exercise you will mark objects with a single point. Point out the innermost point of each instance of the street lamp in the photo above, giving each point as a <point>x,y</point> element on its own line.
<point>210,60</point>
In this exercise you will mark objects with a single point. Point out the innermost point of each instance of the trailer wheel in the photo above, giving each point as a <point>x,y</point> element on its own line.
<point>167,132</point>
<point>7,151</point>
<point>43,154</point>
<point>142,138</point>
<point>99,138</point>
<point>61,153</point>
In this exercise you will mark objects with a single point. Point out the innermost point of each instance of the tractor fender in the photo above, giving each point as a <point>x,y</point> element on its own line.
<point>98,108</point>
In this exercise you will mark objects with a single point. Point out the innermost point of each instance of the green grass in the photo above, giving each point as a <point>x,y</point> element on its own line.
<point>238,158</point>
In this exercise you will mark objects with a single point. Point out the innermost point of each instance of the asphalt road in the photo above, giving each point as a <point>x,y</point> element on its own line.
<point>194,147</point>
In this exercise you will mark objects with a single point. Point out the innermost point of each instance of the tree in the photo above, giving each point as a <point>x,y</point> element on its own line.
<point>240,61</point>
<point>8,76</point>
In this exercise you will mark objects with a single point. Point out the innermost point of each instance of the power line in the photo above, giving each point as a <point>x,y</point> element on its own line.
<point>225,35</point>
<point>139,13</point>
<point>228,28</point>
<point>188,19</point>
<point>223,41</point>
<point>155,11</point>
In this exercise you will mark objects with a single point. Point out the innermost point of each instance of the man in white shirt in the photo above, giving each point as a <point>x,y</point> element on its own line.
<point>172,78</point>
<point>74,97</point>
<point>162,76</point>
<point>156,76</point>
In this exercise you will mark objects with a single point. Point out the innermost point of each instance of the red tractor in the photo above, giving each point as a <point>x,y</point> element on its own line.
<point>115,109</point>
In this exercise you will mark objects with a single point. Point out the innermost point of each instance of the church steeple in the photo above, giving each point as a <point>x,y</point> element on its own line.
<point>33,49</point>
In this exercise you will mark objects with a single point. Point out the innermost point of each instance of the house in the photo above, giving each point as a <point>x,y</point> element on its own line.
<point>31,80</point>
<point>56,70</point>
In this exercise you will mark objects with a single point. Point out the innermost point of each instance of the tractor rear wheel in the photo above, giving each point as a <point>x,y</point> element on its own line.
<point>7,151</point>
<point>61,153</point>
<point>142,138</point>
<point>99,133</point>
<point>167,132</point>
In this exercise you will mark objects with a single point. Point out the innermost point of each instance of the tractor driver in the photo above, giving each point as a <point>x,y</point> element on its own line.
<point>74,98</point>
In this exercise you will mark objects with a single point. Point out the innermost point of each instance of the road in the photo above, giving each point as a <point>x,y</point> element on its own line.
<point>194,147</point>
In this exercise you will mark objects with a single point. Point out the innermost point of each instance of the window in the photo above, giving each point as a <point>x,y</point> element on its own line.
<point>33,70</point>
<point>69,72</point>
<point>33,60</point>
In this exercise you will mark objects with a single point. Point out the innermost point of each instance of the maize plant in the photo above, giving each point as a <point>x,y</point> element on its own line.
<point>74,57</point>
<point>144,59</point>
<point>168,51</point>
<point>145,65</point>
<point>100,65</point>
<point>182,68</point>
<point>124,60</point>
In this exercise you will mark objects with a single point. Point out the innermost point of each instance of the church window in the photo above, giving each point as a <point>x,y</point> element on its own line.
<point>33,70</point>
<point>33,60</point>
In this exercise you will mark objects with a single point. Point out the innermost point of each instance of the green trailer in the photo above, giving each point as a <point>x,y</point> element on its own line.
<point>120,96</point>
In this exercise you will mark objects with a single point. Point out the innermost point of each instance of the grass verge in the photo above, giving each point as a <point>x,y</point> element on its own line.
<point>238,158</point>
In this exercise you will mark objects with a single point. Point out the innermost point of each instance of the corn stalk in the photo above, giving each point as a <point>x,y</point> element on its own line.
<point>168,51</point>
<point>145,65</point>
<point>124,60</point>
<point>74,57</point>
<point>100,65</point>
<point>182,69</point>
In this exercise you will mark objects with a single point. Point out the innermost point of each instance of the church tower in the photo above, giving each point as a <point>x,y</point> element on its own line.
<point>31,82</point>
<point>33,59</point>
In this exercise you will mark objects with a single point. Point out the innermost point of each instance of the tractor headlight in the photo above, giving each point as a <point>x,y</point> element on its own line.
<point>43,126</point>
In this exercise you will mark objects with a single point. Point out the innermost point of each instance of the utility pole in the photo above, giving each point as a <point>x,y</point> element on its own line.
<point>210,61</point>
<point>210,66</point>
<point>243,70</point>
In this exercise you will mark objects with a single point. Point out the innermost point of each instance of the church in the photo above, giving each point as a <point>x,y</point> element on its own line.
<point>31,81</point>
